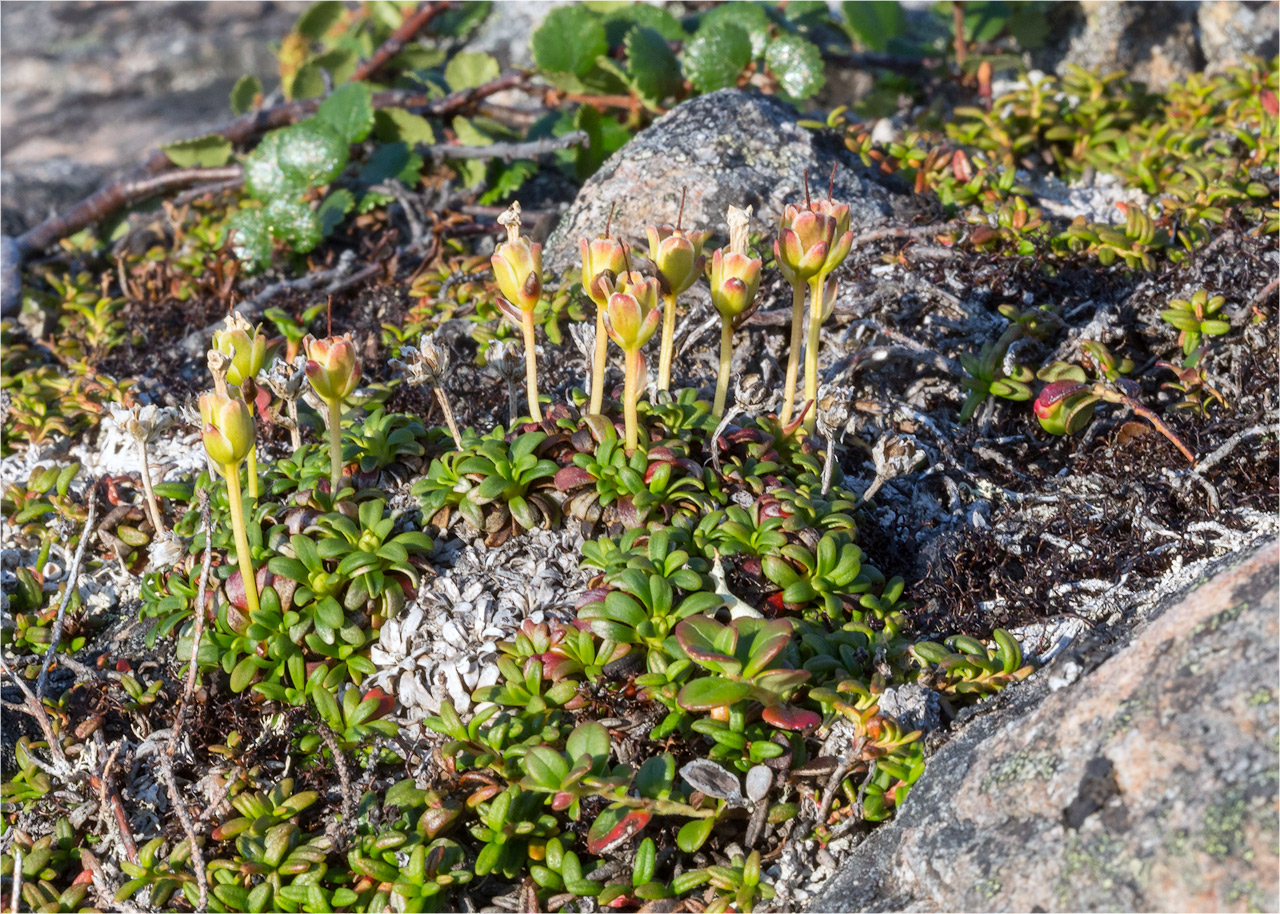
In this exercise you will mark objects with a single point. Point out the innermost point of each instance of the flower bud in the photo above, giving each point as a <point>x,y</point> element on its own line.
<point>804,243</point>
<point>633,316</point>
<point>677,255</point>
<point>1060,407</point>
<point>227,428</point>
<point>517,264</point>
<point>735,279</point>
<point>842,237</point>
<point>246,347</point>
<point>332,368</point>
<point>603,259</point>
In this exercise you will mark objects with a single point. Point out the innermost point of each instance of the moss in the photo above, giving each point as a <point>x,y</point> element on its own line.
<point>1262,696</point>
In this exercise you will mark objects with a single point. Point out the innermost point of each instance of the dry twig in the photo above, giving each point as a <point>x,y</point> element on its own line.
<point>72,574</point>
<point>197,855</point>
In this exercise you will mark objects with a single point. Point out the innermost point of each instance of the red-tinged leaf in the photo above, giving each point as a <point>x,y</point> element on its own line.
<point>484,793</point>
<point>960,167</point>
<point>660,454</point>
<point>1269,102</point>
<point>385,702</point>
<point>786,717</point>
<point>562,801</point>
<point>614,827</point>
<point>572,477</point>
<point>1055,393</point>
<point>592,595</point>
<point>234,587</point>
<point>627,512</point>
<point>1123,207</point>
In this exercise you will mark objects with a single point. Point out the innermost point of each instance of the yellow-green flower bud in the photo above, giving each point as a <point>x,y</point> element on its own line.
<point>227,428</point>
<point>603,260</point>
<point>245,345</point>
<point>633,316</point>
<point>517,264</point>
<point>332,367</point>
<point>677,255</point>
<point>843,238</point>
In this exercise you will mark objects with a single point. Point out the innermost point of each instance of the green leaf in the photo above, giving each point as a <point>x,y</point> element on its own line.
<point>396,125</point>
<point>294,222</point>
<point>797,65</point>
<point>317,20</point>
<point>311,153</point>
<point>340,62</point>
<point>334,209</point>
<point>621,21</point>
<point>263,176</point>
<point>245,94</point>
<point>469,134</point>
<point>308,82</point>
<point>546,767</point>
<point>508,180</point>
<point>716,56</point>
<point>211,151</point>
<point>605,137</point>
<point>711,692</point>
<point>651,64</point>
<point>392,160</point>
<point>590,739</point>
<point>750,17</point>
<point>470,69</point>
<point>243,674</point>
<point>569,41</point>
<point>874,22</point>
<point>348,112</point>
<point>694,834</point>
<point>250,239</point>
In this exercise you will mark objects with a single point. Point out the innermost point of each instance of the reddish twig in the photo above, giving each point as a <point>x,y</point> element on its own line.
<point>413,23</point>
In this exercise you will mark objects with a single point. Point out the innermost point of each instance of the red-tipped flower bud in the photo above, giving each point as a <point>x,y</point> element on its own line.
<point>804,243</point>
<point>735,279</point>
<point>633,316</point>
<point>332,367</point>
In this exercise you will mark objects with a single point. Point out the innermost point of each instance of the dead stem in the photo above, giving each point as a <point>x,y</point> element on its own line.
<point>72,574</point>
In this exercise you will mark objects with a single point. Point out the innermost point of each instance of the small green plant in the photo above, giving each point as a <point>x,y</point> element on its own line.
<point>1195,318</point>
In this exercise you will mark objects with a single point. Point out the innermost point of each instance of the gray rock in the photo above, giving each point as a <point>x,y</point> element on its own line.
<point>1230,31</point>
<point>1154,42</point>
<point>1147,784</point>
<point>728,147</point>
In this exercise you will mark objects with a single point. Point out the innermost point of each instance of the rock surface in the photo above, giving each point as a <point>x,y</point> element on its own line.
<point>1148,784</point>
<point>728,147</point>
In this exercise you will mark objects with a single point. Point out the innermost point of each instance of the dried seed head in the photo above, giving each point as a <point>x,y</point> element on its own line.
<point>897,455</point>
<point>427,363</point>
<point>835,409</point>
<point>753,395</point>
<point>219,363</point>
<point>506,359</point>
<point>142,423</point>
<point>285,380</point>
<point>510,220</point>
<point>739,222</point>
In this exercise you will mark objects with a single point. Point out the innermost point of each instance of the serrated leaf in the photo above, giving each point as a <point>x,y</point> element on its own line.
<point>396,125</point>
<point>470,69</point>
<point>294,222</point>
<point>311,153</point>
<point>246,94</point>
<point>469,134</point>
<point>348,112</point>
<point>797,65</point>
<point>716,56</point>
<point>317,20</point>
<point>263,176</point>
<point>249,238</point>
<point>334,209</point>
<point>569,41</point>
<point>508,180</point>
<point>212,151</point>
<point>750,17</point>
<point>874,22</point>
<point>652,66</point>
<point>392,160</point>
<point>620,21</point>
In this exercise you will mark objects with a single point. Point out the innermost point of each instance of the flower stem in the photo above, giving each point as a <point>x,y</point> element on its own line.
<point>531,368</point>
<point>793,356</point>
<point>295,433</point>
<point>448,417</point>
<point>630,394</point>
<point>811,350</point>
<point>597,364</point>
<point>245,560</point>
<point>335,447</point>
<point>726,356</point>
<point>668,342</point>
<point>157,520</point>
<point>252,463</point>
